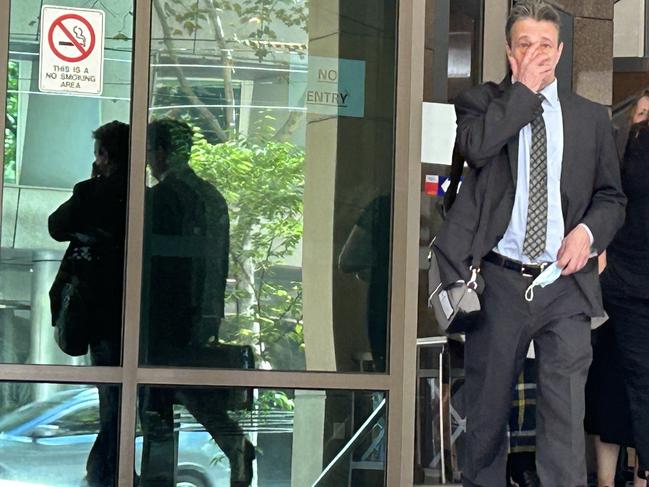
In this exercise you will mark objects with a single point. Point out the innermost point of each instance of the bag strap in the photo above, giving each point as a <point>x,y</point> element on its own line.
<point>455,177</point>
<point>457,166</point>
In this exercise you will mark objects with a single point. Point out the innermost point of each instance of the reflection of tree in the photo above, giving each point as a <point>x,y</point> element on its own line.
<point>185,85</point>
<point>11,121</point>
<point>262,180</point>
<point>260,176</point>
<point>180,18</point>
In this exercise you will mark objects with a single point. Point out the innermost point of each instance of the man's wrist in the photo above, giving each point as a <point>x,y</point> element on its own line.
<point>590,234</point>
<point>593,250</point>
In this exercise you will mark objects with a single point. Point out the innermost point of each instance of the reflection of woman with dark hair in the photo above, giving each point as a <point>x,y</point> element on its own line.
<point>94,218</point>
<point>618,383</point>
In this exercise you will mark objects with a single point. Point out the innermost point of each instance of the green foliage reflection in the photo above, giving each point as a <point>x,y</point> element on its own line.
<point>11,122</point>
<point>262,179</point>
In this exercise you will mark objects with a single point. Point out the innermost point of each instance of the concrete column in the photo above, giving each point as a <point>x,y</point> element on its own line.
<point>592,58</point>
<point>494,62</point>
<point>629,28</point>
<point>319,186</point>
<point>308,438</point>
<point>317,257</point>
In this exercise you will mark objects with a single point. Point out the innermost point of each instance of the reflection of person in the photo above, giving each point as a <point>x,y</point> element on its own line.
<point>95,218</point>
<point>638,112</point>
<point>189,243</point>
<point>533,197</point>
<point>618,382</point>
<point>367,253</point>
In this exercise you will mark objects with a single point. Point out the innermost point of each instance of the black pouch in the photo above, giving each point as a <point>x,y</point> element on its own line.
<point>72,301</point>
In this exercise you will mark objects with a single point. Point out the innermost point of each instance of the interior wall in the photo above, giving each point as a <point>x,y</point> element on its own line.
<point>494,66</point>
<point>629,28</point>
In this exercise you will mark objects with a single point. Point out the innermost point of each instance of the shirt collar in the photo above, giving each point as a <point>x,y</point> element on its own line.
<point>551,94</point>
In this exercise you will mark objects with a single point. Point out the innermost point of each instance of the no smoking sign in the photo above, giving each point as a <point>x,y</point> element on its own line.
<point>71,50</point>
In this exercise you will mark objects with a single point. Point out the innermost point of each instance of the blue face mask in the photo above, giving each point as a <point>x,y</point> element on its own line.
<point>545,278</point>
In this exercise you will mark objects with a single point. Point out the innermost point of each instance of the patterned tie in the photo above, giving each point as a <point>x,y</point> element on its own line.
<point>537,208</point>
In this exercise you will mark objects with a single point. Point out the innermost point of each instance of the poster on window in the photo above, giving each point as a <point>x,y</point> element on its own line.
<point>327,86</point>
<point>71,50</point>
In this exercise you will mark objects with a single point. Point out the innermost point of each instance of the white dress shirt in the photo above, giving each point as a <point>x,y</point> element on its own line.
<point>511,245</point>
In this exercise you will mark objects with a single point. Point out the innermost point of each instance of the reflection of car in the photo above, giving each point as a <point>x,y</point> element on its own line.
<point>47,443</point>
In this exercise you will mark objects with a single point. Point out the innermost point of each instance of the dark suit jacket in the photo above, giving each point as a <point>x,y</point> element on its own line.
<point>95,216</point>
<point>188,246</point>
<point>489,119</point>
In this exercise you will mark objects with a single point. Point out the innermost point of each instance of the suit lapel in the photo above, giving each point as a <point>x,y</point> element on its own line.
<point>570,139</point>
<point>512,145</point>
<point>512,153</point>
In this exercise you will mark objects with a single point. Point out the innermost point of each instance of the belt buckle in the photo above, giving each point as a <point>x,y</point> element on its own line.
<point>524,273</point>
<point>539,267</point>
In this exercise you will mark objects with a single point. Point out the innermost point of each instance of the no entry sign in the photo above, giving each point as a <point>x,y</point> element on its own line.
<point>72,50</point>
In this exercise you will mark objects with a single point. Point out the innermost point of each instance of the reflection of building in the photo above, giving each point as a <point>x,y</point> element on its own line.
<point>221,78</point>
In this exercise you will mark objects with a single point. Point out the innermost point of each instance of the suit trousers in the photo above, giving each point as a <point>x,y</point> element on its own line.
<point>101,466</point>
<point>495,352</point>
<point>160,439</point>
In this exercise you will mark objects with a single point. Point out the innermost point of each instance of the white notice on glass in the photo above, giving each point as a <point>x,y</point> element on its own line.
<point>437,133</point>
<point>71,50</point>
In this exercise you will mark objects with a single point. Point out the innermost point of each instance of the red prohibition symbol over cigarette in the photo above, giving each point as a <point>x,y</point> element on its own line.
<point>75,40</point>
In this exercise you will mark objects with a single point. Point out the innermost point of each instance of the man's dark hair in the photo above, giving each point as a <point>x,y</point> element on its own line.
<point>173,137</point>
<point>113,140</point>
<point>531,9</point>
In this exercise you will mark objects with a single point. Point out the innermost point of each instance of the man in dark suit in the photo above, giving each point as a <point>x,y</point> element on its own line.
<point>544,187</point>
<point>187,246</point>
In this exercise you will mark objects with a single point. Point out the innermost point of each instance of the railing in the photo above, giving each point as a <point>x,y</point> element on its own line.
<point>349,447</point>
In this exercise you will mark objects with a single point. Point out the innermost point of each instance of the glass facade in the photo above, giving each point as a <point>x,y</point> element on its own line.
<point>268,207</point>
<point>56,434</point>
<point>48,150</point>
<point>261,436</point>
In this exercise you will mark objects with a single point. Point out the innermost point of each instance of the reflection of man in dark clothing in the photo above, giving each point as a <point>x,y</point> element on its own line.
<point>188,247</point>
<point>93,219</point>
<point>367,253</point>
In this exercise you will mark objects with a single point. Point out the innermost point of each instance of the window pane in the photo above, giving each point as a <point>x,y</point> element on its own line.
<point>58,435</point>
<point>262,437</point>
<point>268,213</point>
<point>49,148</point>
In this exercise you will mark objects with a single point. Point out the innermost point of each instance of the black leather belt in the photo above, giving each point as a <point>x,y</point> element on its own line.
<point>527,270</point>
